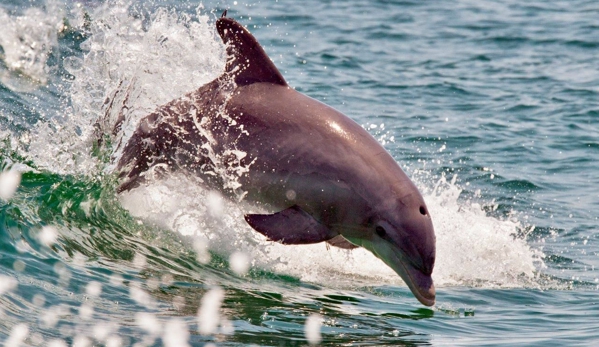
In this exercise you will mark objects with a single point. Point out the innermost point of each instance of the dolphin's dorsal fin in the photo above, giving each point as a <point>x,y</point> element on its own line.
<point>247,60</point>
<point>292,226</point>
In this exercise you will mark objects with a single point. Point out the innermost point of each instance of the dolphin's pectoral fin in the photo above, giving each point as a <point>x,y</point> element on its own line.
<point>247,60</point>
<point>341,242</point>
<point>292,226</point>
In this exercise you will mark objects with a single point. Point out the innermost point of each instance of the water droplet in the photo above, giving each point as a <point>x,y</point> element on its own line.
<point>312,329</point>
<point>239,263</point>
<point>208,313</point>
<point>9,182</point>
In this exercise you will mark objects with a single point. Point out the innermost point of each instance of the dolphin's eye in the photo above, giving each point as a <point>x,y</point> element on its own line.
<point>380,231</point>
<point>422,210</point>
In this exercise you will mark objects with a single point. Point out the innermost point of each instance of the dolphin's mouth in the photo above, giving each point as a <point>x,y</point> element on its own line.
<point>419,283</point>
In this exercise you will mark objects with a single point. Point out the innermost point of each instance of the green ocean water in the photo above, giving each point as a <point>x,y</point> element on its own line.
<point>491,107</point>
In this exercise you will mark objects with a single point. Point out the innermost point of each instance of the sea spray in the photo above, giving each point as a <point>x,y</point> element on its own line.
<point>27,40</point>
<point>472,247</point>
<point>475,249</point>
<point>131,63</point>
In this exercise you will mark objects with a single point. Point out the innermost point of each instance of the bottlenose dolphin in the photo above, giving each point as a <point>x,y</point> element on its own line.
<point>325,178</point>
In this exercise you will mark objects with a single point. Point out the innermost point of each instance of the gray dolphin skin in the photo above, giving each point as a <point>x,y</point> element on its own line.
<point>323,176</point>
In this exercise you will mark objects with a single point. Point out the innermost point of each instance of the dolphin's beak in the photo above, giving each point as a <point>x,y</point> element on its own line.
<point>419,283</point>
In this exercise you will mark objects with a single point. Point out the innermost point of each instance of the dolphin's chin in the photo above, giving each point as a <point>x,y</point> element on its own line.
<point>419,283</point>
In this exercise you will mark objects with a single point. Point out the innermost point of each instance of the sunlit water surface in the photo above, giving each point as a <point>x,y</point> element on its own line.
<point>492,108</point>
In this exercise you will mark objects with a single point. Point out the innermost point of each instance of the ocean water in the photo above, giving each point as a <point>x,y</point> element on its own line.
<point>491,107</point>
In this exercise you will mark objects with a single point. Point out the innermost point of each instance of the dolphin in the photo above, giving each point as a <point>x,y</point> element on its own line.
<point>323,177</point>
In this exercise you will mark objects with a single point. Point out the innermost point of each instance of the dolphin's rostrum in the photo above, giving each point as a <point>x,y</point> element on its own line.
<point>250,135</point>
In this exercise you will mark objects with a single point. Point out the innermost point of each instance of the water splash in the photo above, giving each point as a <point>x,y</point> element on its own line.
<point>132,63</point>
<point>27,40</point>
<point>475,249</point>
<point>472,248</point>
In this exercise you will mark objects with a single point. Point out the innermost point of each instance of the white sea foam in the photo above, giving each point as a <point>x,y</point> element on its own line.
<point>130,63</point>
<point>141,66</point>
<point>472,248</point>
<point>27,40</point>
